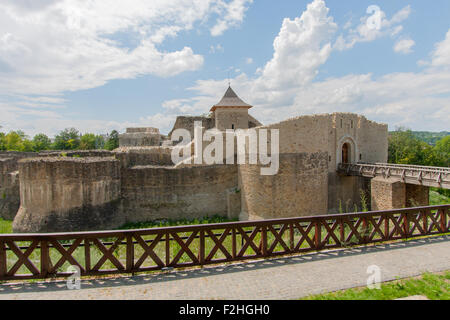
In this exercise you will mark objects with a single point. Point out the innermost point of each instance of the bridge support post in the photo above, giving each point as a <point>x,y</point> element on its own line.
<point>387,194</point>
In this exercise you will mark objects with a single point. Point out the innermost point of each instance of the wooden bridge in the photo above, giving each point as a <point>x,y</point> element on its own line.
<point>419,175</point>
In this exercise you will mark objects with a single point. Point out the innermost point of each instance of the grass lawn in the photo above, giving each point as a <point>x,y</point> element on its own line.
<point>171,223</point>
<point>5,226</point>
<point>433,286</point>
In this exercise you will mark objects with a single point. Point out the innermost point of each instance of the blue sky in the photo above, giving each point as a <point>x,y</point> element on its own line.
<point>108,64</point>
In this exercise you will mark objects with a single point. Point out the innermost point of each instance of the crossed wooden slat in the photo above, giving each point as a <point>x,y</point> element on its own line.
<point>416,224</point>
<point>278,238</point>
<point>376,227</point>
<point>397,227</point>
<point>330,232</point>
<point>184,248</point>
<point>434,221</point>
<point>66,255</point>
<point>249,241</point>
<point>108,254</point>
<point>22,257</point>
<point>353,230</point>
<point>149,251</point>
<point>305,236</point>
<point>218,244</point>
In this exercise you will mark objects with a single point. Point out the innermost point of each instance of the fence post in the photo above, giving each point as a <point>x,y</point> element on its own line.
<point>443,220</point>
<point>3,261</point>
<point>87,255</point>
<point>201,251</point>
<point>405,225</point>
<point>291,237</point>
<point>264,240</point>
<point>167,249</point>
<point>425,220</point>
<point>386,227</point>
<point>130,253</point>
<point>233,243</point>
<point>317,235</point>
<point>45,258</point>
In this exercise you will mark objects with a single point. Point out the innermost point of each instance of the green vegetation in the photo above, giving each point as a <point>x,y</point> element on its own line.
<point>171,223</point>
<point>433,286</point>
<point>68,139</point>
<point>406,148</point>
<point>437,198</point>
<point>5,226</point>
<point>430,137</point>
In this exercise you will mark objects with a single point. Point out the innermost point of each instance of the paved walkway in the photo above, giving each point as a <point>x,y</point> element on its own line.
<point>286,278</point>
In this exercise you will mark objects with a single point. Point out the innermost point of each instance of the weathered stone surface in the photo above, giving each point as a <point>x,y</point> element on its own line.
<point>9,188</point>
<point>387,194</point>
<point>154,193</point>
<point>299,188</point>
<point>140,137</point>
<point>417,196</point>
<point>62,194</point>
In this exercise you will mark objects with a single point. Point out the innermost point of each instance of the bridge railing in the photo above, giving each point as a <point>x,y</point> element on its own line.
<point>406,167</point>
<point>27,256</point>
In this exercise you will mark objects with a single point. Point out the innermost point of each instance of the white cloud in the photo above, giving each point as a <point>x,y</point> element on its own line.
<point>232,14</point>
<point>65,45</point>
<point>364,32</point>
<point>49,47</point>
<point>286,86</point>
<point>404,46</point>
<point>441,54</point>
<point>249,61</point>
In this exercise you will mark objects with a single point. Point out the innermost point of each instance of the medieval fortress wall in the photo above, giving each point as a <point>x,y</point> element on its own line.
<point>139,182</point>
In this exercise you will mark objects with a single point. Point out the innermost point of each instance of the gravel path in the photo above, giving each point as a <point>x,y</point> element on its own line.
<point>285,278</point>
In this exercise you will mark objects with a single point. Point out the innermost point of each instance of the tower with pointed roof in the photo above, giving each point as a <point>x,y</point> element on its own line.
<point>231,112</point>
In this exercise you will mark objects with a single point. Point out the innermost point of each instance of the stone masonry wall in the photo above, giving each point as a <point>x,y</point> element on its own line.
<point>417,196</point>
<point>299,188</point>
<point>387,194</point>
<point>9,188</point>
<point>154,193</point>
<point>227,117</point>
<point>68,194</point>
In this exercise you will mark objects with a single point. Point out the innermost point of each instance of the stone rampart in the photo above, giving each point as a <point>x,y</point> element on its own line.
<point>61,194</point>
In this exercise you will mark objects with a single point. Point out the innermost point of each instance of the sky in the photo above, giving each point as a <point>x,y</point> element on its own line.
<point>102,65</point>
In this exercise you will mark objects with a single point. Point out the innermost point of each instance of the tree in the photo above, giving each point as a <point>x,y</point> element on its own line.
<point>2,141</point>
<point>443,150</point>
<point>68,139</point>
<point>41,142</point>
<point>113,141</point>
<point>87,141</point>
<point>14,141</point>
<point>404,148</point>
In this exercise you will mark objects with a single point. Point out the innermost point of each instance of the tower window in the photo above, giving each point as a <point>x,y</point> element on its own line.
<point>341,123</point>
<point>232,126</point>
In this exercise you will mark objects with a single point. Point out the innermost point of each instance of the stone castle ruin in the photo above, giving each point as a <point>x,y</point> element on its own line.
<point>94,190</point>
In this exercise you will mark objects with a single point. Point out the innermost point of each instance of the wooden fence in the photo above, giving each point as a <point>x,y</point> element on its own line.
<point>28,256</point>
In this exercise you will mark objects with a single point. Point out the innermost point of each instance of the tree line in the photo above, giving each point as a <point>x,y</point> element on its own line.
<point>406,148</point>
<point>67,139</point>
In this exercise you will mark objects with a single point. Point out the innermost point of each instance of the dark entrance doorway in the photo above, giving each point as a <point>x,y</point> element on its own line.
<point>346,153</point>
